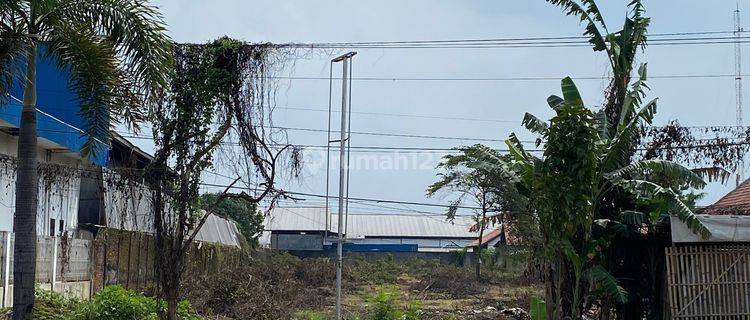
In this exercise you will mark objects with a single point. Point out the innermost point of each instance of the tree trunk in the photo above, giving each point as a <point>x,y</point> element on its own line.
<point>169,252</point>
<point>559,288</point>
<point>172,295</point>
<point>172,279</point>
<point>24,220</point>
<point>478,253</point>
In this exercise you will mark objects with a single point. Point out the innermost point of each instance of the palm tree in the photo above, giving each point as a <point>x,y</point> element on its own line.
<point>118,56</point>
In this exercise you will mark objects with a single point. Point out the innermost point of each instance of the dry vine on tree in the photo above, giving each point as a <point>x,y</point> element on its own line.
<point>218,90</point>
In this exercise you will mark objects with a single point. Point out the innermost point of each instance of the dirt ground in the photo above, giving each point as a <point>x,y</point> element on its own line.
<point>486,303</point>
<point>279,286</point>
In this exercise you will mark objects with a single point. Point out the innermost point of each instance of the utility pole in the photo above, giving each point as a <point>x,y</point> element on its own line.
<point>345,60</point>
<point>738,82</point>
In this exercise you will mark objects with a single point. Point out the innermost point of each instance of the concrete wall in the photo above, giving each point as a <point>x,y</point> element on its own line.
<point>81,267</point>
<point>77,289</point>
<point>127,258</point>
<point>57,199</point>
<point>67,261</point>
<point>451,258</point>
<point>509,258</point>
<point>423,243</point>
<point>297,242</point>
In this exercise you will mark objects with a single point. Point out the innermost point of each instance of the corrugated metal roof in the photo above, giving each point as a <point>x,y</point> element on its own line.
<point>369,224</point>
<point>296,219</point>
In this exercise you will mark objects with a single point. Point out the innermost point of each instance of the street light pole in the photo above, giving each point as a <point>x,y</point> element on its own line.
<point>343,169</point>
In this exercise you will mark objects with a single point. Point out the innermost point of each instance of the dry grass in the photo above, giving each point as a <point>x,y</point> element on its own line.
<point>279,286</point>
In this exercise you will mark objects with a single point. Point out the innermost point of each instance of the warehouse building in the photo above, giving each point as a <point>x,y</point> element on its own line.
<point>314,229</point>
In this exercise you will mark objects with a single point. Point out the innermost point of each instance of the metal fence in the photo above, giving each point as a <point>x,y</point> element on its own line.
<point>709,281</point>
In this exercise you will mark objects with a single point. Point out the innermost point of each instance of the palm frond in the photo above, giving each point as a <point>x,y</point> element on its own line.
<point>608,284</point>
<point>95,78</point>
<point>136,31</point>
<point>534,124</point>
<point>555,102</point>
<point>516,148</point>
<point>637,7</point>
<point>9,52</point>
<point>712,174</point>
<point>10,11</point>
<point>686,215</point>
<point>602,124</point>
<point>634,97</point>
<point>621,146</point>
<point>591,15</point>
<point>668,170</point>
<point>675,206</point>
<point>570,93</point>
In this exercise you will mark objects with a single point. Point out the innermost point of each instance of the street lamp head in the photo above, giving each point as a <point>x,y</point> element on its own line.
<point>344,56</point>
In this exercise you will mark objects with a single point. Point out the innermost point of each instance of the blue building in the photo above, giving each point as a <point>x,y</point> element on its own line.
<point>76,204</point>
<point>60,140</point>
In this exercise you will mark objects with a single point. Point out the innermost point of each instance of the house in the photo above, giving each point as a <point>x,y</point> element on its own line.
<point>709,277</point>
<point>76,199</point>
<point>315,229</point>
<point>492,239</point>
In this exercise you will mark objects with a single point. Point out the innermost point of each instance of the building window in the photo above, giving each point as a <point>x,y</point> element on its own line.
<point>62,228</point>
<point>52,227</point>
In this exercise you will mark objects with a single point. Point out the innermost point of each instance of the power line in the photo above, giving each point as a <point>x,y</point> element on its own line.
<point>421,116</point>
<point>489,79</point>
<point>543,38</point>
<point>383,134</point>
<point>399,148</point>
<point>503,45</point>
<point>357,198</point>
<point>420,149</point>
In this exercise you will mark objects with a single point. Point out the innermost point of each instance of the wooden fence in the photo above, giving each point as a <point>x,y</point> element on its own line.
<point>709,281</point>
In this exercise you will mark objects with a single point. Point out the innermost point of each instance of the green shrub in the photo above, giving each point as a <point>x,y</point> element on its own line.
<point>380,272</point>
<point>310,315</point>
<point>52,305</point>
<point>538,309</point>
<point>116,302</point>
<point>386,305</point>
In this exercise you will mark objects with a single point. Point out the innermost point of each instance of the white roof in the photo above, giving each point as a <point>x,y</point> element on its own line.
<point>724,228</point>
<point>369,224</point>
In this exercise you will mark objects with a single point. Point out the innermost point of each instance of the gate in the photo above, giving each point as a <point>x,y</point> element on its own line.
<point>709,281</point>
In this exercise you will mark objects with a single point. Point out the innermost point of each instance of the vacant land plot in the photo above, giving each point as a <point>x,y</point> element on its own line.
<point>280,286</point>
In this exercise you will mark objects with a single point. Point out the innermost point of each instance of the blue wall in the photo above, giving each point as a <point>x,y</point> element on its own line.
<point>354,247</point>
<point>58,116</point>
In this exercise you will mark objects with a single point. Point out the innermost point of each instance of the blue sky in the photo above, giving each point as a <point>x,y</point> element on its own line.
<point>695,101</point>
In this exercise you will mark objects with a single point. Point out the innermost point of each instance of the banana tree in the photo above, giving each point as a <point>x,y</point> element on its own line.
<point>567,188</point>
<point>621,47</point>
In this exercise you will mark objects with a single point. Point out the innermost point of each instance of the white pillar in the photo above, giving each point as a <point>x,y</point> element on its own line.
<point>6,270</point>
<point>54,264</point>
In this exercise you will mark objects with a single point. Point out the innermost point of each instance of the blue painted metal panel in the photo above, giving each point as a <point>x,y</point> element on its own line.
<point>353,247</point>
<point>58,109</point>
